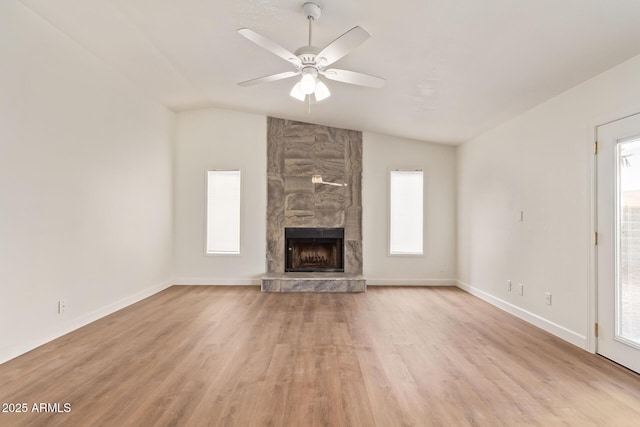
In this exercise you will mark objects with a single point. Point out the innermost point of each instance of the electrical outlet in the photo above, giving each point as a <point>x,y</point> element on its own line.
<point>508,285</point>
<point>520,289</point>
<point>62,306</point>
<point>547,298</point>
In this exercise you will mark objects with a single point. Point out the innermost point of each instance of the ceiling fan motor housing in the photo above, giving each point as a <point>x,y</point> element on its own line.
<point>307,54</point>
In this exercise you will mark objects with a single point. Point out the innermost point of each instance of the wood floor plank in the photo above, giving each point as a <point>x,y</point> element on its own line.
<point>232,356</point>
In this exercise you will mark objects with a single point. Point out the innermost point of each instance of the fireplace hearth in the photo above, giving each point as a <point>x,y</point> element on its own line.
<point>314,249</point>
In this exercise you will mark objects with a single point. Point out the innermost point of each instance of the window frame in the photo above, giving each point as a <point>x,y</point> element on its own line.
<point>206,214</point>
<point>390,252</point>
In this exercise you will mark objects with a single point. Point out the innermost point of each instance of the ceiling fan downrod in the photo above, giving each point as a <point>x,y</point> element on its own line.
<point>313,12</point>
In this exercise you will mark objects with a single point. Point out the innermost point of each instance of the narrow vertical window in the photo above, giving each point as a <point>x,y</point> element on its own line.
<point>223,212</point>
<point>405,213</point>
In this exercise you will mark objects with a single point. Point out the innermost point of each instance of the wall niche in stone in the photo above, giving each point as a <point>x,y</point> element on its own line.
<point>295,152</point>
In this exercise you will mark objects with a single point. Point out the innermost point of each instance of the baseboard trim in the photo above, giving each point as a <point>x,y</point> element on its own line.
<point>542,323</point>
<point>215,281</point>
<point>411,282</point>
<point>73,324</point>
<point>212,281</point>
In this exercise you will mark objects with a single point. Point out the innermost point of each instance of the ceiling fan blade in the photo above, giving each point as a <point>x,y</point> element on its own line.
<point>271,78</point>
<point>343,45</point>
<point>270,45</point>
<point>354,78</point>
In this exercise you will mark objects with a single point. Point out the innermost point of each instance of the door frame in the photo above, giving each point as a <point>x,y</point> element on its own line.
<point>592,206</point>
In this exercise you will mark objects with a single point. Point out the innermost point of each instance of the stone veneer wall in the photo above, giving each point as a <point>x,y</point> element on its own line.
<point>295,152</point>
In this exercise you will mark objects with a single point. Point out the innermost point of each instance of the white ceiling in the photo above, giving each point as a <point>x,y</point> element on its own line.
<point>454,68</point>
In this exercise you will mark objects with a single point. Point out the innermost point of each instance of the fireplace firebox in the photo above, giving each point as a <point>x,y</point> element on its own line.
<point>314,249</point>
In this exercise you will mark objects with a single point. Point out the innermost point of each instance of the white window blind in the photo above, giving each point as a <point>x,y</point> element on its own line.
<point>223,212</point>
<point>405,213</point>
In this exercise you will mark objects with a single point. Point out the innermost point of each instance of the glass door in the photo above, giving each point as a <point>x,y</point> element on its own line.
<point>618,250</point>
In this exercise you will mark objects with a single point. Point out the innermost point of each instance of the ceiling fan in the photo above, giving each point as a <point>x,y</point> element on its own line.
<point>310,62</point>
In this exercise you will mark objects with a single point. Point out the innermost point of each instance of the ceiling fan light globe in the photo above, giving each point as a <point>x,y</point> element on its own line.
<point>308,84</point>
<point>322,91</point>
<point>297,93</point>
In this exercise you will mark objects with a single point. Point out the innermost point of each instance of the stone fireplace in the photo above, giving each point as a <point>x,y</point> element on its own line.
<point>296,152</point>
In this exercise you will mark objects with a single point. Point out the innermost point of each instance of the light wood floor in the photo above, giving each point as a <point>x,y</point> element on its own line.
<point>390,357</point>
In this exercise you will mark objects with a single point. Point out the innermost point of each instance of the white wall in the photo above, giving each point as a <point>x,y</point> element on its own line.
<point>85,186</point>
<point>219,139</point>
<point>437,265</point>
<point>539,163</point>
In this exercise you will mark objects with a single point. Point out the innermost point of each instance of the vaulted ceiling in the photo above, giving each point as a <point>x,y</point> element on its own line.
<point>454,68</point>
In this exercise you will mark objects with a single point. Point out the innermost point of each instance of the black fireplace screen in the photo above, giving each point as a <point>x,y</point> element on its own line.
<point>314,249</point>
